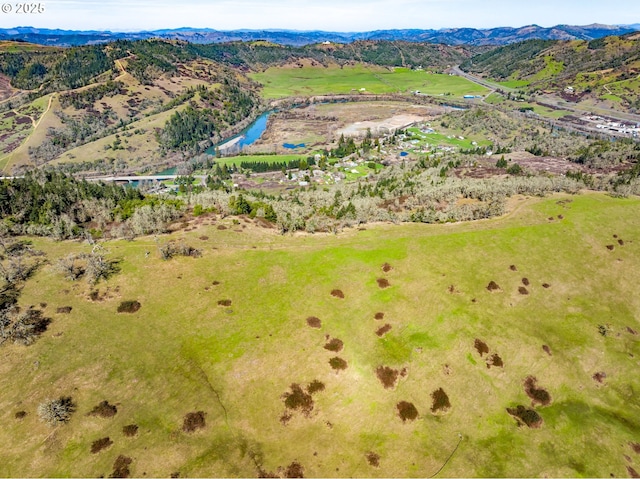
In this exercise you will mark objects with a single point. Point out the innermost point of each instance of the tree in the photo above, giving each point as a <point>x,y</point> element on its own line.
<point>57,411</point>
<point>501,163</point>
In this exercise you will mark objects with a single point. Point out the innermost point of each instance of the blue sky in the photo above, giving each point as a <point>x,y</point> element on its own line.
<point>330,15</point>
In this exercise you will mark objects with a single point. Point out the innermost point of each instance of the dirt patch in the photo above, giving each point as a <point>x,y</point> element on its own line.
<point>337,293</point>
<point>493,286</point>
<point>383,330</point>
<point>632,472</point>
<point>523,290</point>
<point>560,217</point>
<point>407,411</point>
<point>194,421</point>
<point>386,267</point>
<point>546,349</point>
<point>337,363</point>
<point>129,307</point>
<point>525,416</point>
<point>104,409</point>
<point>621,242</point>
<point>20,414</point>
<point>204,237</point>
<point>378,316</point>
<point>222,227</point>
<point>440,401</point>
<point>383,283</point>
<point>224,302</point>
<point>121,467</point>
<point>100,444</point>
<point>387,376</point>
<point>599,377</point>
<point>635,446</point>
<point>284,419</point>
<point>632,331</point>
<point>525,281</point>
<point>130,430</point>
<point>298,400</point>
<point>537,395</point>
<point>314,322</point>
<point>513,267</point>
<point>294,469</point>
<point>373,459</point>
<point>215,283</point>
<point>315,386</point>
<point>335,345</point>
<point>610,247</point>
<point>495,360</point>
<point>481,347</point>
<point>546,285</point>
<point>64,310</point>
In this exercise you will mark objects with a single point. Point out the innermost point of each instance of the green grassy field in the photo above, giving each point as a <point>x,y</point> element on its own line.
<point>182,352</point>
<point>281,82</point>
<point>445,139</point>
<point>236,160</point>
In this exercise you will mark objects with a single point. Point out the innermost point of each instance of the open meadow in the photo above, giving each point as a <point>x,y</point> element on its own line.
<point>318,80</point>
<point>503,347</point>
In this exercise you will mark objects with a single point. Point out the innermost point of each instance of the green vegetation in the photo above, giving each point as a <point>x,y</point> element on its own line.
<point>317,80</point>
<point>235,352</point>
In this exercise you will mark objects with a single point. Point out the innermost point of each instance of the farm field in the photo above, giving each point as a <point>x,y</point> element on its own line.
<point>391,351</point>
<point>317,80</point>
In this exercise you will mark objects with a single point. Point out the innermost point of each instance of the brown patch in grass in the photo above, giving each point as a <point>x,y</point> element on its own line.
<point>315,386</point>
<point>378,316</point>
<point>537,395</point>
<point>632,331</point>
<point>387,376</point>
<point>204,237</point>
<point>560,217</point>
<point>104,409</point>
<point>20,414</point>
<point>194,421</point>
<point>224,302</point>
<point>493,286</point>
<point>632,472</point>
<point>635,446</point>
<point>407,411</point>
<point>298,400</point>
<point>335,345</point>
<point>121,467</point>
<point>599,377</point>
<point>222,227</point>
<point>386,267</point>
<point>314,322</point>
<point>383,283</point>
<point>546,349</point>
<point>523,290</point>
<point>513,267</point>
<point>481,347</point>
<point>495,360</point>
<point>383,330</point>
<point>525,416</point>
<point>130,430</point>
<point>610,247</point>
<point>129,307</point>
<point>525,281</point>
<point>546,285</point>
<point>284,419</point>
<point>373,459</point>
<point>440,401</point>
<point>294,469</point>
<point>338,363</point>
<point>337,293</point>
<point>100,444</point>
<point>215,283</point>
<point>64,310</point>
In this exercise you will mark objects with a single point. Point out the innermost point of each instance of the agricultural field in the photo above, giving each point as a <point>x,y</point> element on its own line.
<point>468,349</point>
<point>317,80</point>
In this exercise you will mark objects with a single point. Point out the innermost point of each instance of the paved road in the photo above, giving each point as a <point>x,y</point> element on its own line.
<point>133,178</point>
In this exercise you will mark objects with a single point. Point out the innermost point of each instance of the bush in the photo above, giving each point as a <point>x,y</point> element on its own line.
<point>129,307</point>
<point>57,411</point>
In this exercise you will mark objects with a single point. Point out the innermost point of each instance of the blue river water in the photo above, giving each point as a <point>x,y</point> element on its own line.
<point>249,135</point>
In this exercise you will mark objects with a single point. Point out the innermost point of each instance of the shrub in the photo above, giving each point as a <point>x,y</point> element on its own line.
<point>57,411</point>
<point>129,307</point>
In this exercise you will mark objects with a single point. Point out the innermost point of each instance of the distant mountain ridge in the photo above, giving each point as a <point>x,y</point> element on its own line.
<point>450,36</point>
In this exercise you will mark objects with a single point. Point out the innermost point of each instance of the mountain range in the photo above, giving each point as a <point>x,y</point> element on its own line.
<point>449,36</point>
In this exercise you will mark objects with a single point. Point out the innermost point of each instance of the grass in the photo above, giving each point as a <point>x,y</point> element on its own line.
<point>514,83</point>
<point>236,160</point>
<point>181,352</point>
<point>445,139</point>
<point>285,81</point>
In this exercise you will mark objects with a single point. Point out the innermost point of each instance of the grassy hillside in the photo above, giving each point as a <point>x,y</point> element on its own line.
<point>239,363</point>
<point>605,69</point>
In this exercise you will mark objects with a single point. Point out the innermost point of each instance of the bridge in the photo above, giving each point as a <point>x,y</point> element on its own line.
<point>139,178</point>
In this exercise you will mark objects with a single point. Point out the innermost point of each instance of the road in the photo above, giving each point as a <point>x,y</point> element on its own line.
<point>553,101</point>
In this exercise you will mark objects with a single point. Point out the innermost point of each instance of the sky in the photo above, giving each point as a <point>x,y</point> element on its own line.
<point>328,15</point>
